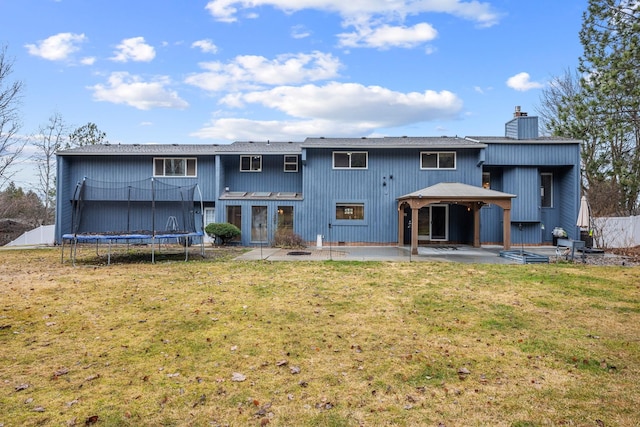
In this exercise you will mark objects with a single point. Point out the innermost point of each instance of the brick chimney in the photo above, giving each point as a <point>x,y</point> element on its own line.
<point>519,113</point>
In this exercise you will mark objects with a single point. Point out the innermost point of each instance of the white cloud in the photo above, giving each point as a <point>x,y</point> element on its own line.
<point>57,47</point>
<point>237,129</point>
<point>124,88</point>
<point>134,49</point>
<point>477,11</point>
<point>206,46</point>
<point>89,60</point>
<point>347,102</point>
<point>332,109</point>
<point>386,36</point>
<point>429,50</point>
<point>300,32</point>
<point>251,71</point>
<point>522,82</point>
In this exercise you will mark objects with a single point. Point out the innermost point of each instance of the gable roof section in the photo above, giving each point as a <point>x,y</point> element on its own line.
<point>244,147</point>
<point>426,142</point>
<point>260,147</point>
<point>271,147</point>
<point>456,191</point>
<point>505,140</point>
<point>140,150</point>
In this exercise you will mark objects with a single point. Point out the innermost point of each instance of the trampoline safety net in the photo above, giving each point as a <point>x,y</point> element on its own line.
<point>147,207</point>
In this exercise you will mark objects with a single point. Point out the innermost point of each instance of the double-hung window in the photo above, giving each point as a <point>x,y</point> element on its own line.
<point>437,160</point>
<point>350,159</point>
<point>290,163</point>
<point>250,163</point>
<point>174,166</point>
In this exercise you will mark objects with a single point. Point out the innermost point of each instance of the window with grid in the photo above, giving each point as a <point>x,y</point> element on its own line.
<point>174,166</point>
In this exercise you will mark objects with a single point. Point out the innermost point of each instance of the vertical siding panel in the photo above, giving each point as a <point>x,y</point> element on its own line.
<point>390,174</point>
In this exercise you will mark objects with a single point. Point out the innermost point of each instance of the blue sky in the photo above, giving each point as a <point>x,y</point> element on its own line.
<point>218,71</point>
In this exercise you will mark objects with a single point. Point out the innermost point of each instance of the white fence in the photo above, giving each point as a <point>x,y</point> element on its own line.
<point>43,235</point>
<point>616,232</point>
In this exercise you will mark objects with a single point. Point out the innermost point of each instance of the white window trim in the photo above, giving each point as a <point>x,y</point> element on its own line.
<point>251,157</point>
<point>349,153</point>
<point>455,160</point>
<point>186,175</point>
<point>286,163</point>
<point>347,220</point>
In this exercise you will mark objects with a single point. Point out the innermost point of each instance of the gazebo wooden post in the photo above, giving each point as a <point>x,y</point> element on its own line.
<point>476,224</point>
<point>506,224</point>
<point>414,230</point>
<point>400,225</point>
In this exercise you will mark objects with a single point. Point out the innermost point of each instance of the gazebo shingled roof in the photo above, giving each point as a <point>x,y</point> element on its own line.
<point>458,193</point>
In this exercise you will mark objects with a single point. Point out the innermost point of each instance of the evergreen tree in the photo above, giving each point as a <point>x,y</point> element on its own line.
<point>610,68</point>
<point>88,134</point>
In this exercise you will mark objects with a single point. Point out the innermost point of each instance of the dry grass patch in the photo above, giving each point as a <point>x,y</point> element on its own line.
<point>222,342</point>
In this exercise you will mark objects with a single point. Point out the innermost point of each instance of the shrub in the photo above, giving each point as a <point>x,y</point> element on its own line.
<point>287,239</point>
<point>222,232</point>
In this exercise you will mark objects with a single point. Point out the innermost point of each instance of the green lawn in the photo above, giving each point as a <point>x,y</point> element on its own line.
<point>223,342</point>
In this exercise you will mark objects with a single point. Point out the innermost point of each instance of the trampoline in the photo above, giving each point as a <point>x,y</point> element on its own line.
<point>148,211</point>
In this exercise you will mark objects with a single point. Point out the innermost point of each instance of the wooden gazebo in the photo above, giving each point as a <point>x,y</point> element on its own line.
<point>455,193</point>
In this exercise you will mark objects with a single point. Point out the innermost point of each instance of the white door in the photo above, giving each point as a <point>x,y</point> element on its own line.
<point>209,217</point>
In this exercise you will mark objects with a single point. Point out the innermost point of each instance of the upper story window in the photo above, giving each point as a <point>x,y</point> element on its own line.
<point>250,163</point>
<point>290,163</point>
<point>350,159</point>
<point>174,167</point>
<point>437,160</point>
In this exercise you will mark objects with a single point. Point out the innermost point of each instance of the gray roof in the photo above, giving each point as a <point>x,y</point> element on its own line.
<point>458,191</point>
<point>241,147</point>
<point>393,142</point>
<point>140,149</point>
<point>539,140</point>
<point>293,147</point>
<point>263,147</point>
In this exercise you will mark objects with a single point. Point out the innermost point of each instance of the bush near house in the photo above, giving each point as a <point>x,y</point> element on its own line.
<point>287,239</point>
<point>222,232</point>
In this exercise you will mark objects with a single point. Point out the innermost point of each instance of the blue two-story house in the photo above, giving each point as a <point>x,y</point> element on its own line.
<point>350,191</point>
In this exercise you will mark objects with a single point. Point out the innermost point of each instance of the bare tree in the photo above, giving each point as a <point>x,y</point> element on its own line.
<point>50,138</point>
<point>564,112</point>
<point>10,97</point>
